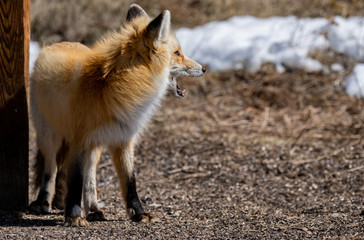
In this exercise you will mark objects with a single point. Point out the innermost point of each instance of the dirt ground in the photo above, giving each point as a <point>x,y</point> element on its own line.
<point>246,156</point>
<point>242,156</point>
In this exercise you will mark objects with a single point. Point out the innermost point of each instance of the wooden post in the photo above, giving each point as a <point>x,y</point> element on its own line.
<point>14,129</point>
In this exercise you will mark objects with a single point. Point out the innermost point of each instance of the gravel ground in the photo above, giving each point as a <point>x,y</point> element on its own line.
<point>246,156</point>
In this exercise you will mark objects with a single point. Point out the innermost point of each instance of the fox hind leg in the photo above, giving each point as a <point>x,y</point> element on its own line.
<point>48,144</point>
<point>60,191</point>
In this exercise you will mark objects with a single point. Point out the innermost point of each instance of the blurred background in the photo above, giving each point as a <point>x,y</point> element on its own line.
<point>86,20</point>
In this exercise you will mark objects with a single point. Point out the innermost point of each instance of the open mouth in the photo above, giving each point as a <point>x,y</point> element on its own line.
<point>180,93</point>
<point>177,92</point>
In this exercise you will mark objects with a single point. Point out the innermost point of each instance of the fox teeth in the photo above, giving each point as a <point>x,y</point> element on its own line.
<point>180,92</point>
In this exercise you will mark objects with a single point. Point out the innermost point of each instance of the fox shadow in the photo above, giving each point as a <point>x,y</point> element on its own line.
<point>24,219</point>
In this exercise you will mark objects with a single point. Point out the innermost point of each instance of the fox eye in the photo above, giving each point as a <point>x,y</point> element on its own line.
<point>177,53</point>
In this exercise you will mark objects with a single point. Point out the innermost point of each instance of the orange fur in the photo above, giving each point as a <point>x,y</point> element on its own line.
<point>76,84</point>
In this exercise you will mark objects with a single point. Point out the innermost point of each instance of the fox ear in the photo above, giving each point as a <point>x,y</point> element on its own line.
<point>158,29</point>
<point>135,11</point>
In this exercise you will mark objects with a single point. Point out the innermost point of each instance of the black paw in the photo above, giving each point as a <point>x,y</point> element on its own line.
<point>39,208</point>
<point>98,215</point>
<point>58,204</point>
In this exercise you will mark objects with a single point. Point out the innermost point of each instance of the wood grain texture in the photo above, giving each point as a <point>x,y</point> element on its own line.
<point>14,54</point>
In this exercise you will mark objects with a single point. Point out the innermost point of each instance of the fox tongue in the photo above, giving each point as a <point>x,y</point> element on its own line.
<point>180,92</point>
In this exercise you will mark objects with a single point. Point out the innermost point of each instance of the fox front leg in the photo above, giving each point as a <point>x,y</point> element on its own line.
<point>92,211</point>
<point>133,205</point>
<point>123,157</point>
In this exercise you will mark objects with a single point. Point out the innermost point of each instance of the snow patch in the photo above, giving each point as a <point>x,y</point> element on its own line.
<point>336,67</point>
<point>33,54</point>
<point>354,84</point>
<point>248,42</point>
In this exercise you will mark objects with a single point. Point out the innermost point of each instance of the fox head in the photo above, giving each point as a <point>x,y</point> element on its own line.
<point>143,45</point>
<point>149,39</point>
<point>180,65</point>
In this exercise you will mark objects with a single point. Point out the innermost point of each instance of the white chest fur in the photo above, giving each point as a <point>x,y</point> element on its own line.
<point>128,125</point>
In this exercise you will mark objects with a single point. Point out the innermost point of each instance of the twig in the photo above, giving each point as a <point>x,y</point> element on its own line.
<point>304,161</point>
<point>355,169</point>
<point>196,175</point>
<point>232,124</point>
<point>266,119</point>
<point>105,164</point>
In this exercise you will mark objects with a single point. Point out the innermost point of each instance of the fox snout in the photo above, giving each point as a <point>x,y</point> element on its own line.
<point>187,67</point>
<point>195,70</point>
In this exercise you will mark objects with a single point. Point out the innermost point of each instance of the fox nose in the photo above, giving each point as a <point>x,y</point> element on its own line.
<point>203,69</point>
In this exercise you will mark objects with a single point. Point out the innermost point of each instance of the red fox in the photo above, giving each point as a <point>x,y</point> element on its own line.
<point>84,98</point>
